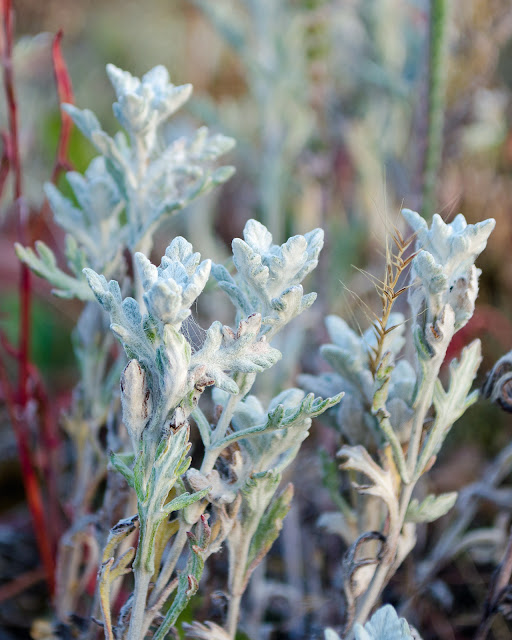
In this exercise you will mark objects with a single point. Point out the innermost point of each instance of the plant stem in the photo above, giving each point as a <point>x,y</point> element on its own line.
<point>65,93</point>
<point>30,479</point>
<point>212,452</point>
<point>143,573</point>
<point>15,160</point>
<point>237,585</point>
<point>170,563</point>
<point>436,103</point>
<point>420,412</point>
<point>143,569</point>
<point>142,580</point>
<point>270,185</point>
<point>30,482</point>
<point>388,564</point>
<point>233,614</point>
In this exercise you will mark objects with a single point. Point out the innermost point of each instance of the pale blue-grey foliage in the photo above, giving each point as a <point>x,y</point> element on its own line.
<point>95,222</point>
<point>431,508</point>
<point>348,355</point>
<point>171,289</point>
<point>167,375</point>
<point>139,178</point>
<point>155,176</point>
<point>392,399</point>
<point>268,276</point>
<point>442,296</point>
<point>450,404</point>
<point>445,265</point>
<point>274,119</point>
<point>271,438</point>
<point>383,625</point>
<point>152,336</point>
<point>267,442</point>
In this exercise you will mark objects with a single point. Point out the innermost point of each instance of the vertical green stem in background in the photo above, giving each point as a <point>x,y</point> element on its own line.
<point>436,104</point>
<point>271,178</point>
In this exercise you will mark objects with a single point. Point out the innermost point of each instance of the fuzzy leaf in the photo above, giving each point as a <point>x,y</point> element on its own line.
<point>246,351</point>
<point>185,500</point>
<point>174,286</point>
<point>268,529</point>
<point>431,508</point>
<point>123,464</point>
<point>84,119</point>
<point>451,404</point>
<point>45,266</point>
<point>445,267</point>
<point>358,459</point>
<point>276,447</point>
<point>274,422</point>
<point>104,581</point>
<point>268,276</point>
<point>385,625</point>
<point>258,491</point>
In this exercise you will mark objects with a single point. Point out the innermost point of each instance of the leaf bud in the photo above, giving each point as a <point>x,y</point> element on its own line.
<point>136,401</point>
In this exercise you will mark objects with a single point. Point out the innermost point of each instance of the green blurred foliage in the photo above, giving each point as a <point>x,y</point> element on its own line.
<point>51,341</point>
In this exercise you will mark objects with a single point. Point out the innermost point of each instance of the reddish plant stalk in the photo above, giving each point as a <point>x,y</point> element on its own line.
<point>22,210</point>
<point>62,163</point>
<point>4,161</point>
<point>30,481</point>
<point>17,403</point>
<point>51,447</point>
<point>65,93</point>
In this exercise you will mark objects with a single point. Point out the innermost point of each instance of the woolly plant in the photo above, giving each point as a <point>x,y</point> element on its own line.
<point>140,177</point>
<point>396,413</point>
<point>232,496</point>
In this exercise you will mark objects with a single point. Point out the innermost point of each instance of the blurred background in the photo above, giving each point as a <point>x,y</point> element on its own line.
<point>328,102</point>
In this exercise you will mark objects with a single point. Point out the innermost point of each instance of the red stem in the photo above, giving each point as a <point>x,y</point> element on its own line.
<point>4,161</point>
<point>65,93</point>
<point>17,403</point>
<point>51,446</point>
<point>12,110</point>
<point>30,481</point>
<point>62,163</point>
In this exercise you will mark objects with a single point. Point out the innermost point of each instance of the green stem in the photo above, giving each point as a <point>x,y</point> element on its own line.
<point>140,594</point>
<point>388,564</point>
<point>430,373</point>
<point>236,587</point>
<point>420,412</point>
<point>233,614</point>
<point>212,452</point>
<point>143,572</point>
<point>436,103</point>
